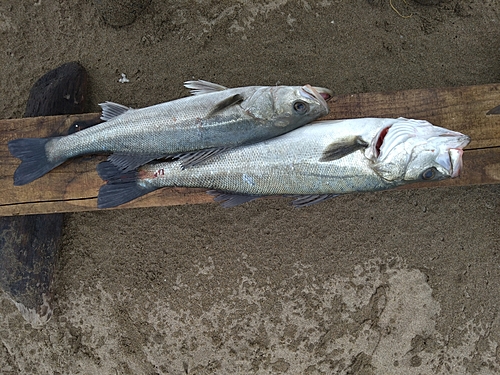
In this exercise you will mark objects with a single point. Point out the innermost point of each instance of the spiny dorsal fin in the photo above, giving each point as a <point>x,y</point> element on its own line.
<point>226,103</point>
<point>111,110</point>
<point>200,87</point>
<point>342,148</point>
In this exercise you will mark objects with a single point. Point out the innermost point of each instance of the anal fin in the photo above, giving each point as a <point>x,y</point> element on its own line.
<point>228,200</point>
<point>308,200</point>
<point>494,111</point>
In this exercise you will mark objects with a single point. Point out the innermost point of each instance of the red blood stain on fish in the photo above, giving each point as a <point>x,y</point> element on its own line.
<point>159,172</point>
<point>143,174</point>
<point>380,140</point>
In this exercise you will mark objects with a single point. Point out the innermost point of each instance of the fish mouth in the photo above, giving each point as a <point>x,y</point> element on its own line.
<point>456,161</point>
<point>455,152</point>
<point>325,93</point>
<point>321,94</point>
<point>458,139</point>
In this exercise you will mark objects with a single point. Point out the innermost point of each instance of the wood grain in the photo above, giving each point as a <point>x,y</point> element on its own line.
<point>74,185</point>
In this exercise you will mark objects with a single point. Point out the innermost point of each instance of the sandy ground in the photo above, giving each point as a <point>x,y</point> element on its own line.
<point>399,282</point>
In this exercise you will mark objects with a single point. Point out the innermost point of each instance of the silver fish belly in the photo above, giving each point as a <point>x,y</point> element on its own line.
<point>320,159</point>
<point>194,128</point>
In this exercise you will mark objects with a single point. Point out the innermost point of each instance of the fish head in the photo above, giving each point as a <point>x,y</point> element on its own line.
<point>285,106</point>
<point>416,150</point>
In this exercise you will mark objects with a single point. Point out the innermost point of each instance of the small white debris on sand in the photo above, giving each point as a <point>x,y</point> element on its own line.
<point>124,79</point>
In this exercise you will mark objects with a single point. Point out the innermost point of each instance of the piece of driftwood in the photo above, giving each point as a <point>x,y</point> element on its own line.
<point>29,245</point>
<point>28,256</point>
<point>74,185</point>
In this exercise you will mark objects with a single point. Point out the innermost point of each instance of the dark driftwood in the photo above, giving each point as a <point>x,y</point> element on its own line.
<point>29,245</point>
<point>74,185</point>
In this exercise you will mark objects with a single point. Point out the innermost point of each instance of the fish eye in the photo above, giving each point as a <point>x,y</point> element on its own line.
<point>300,107</point>
<point>429,174</point>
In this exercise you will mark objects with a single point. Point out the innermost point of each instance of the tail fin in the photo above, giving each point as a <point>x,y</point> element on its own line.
<point>121,187</point>
<point>34,162</point>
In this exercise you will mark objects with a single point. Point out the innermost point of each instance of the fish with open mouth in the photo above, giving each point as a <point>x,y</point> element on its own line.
<point>192,129</point>
<point>315,162</point>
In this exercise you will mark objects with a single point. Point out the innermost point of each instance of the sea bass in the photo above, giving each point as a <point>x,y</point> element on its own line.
<point>313,163</point>
<point>193,128</point>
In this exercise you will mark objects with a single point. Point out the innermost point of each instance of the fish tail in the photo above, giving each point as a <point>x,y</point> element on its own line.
<point>34,161</point>
<point>121,187</point>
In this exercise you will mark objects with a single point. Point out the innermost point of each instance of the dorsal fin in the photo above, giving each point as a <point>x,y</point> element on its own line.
<point>111,110</point>
<point>342,148</point>
<point>200,87</point>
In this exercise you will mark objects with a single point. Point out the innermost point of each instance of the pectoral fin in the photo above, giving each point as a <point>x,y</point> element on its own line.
<point>338,150</point>
<point>226,103</point>
<point>201,87</point>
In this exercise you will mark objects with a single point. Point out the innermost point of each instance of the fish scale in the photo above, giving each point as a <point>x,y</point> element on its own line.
<point>207,123</point>
<point>145,131</point>
<point>275,171</point>
<point>295,163</point>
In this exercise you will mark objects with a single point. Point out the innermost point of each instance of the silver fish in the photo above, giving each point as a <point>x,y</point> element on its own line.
<point>314,162</point>
<point>213,120</point>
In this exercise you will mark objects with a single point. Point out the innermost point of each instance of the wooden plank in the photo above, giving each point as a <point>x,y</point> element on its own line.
<point>480,167</point>
<point>74,185</point>
<point>458,108</point>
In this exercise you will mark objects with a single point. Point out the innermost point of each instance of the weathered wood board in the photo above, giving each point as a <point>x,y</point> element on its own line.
<point>74,185</point>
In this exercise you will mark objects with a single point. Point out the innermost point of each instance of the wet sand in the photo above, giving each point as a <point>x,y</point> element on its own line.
<point>401,282</point>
